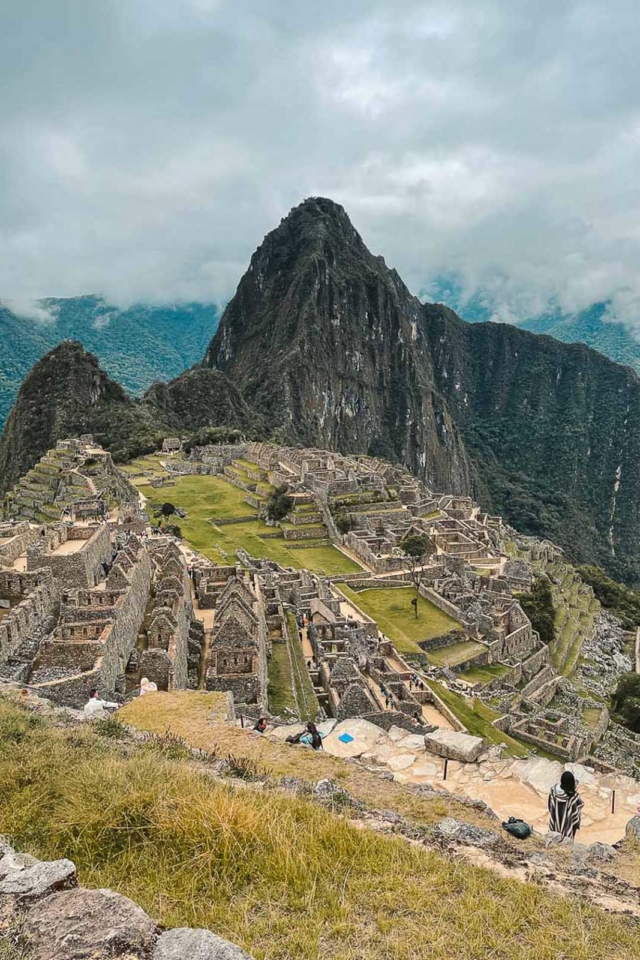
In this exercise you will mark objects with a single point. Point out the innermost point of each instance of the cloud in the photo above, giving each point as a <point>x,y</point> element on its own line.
<point>30,310</point>
<point>148,145</point>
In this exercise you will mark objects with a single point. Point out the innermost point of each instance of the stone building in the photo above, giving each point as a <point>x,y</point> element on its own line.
<point>237,659</point>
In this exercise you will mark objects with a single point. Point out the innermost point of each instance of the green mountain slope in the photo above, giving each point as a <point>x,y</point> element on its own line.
<point>136,346</point>
<point>591,326</point>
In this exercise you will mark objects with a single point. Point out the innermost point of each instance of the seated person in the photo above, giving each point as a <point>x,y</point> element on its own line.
<point>95,707</point>
<point>260,725</point>
<point>312,738</point>
<point>147,686</point>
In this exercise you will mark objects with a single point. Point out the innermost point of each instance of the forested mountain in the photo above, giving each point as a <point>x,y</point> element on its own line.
<point>136,346</point>
<point>592,326</point>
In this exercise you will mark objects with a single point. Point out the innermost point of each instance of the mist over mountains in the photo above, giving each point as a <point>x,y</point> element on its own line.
<point>594,325</point>
<point>136,345</point>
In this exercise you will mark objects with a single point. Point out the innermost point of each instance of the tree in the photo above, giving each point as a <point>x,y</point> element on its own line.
<point>538,606</point>
<point>417,547</point>
<point>167,509</point>
<point>279,503</point>
<point>625,701</point>
<point>343,522</point>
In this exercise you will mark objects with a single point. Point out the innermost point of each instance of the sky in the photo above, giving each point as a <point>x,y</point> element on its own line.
<point>146,146</point>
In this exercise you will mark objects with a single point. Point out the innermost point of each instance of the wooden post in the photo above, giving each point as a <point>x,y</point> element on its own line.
<point>242,720</point>
<point>613,801</point>
<point>446,767</point>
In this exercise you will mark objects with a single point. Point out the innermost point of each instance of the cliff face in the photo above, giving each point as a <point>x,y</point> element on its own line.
<point>330,345</point>
<point>324,341</point>
<point>553,430</point>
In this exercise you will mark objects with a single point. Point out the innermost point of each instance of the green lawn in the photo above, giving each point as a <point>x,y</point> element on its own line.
<point>477,718</point>
<point>485,674</point>
<point>456,653</point>
<point>280,688</point>
<point>391,609</point>
<point>204,497</point>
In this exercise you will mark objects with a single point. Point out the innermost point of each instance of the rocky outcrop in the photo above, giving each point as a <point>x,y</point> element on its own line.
<point>43,909</point>
<point>326,341</point>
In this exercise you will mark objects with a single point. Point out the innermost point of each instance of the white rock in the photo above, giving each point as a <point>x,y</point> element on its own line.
<point>454,745</point>
<point>365,736</point>
<point>413,741</point>
<point>185,944</point>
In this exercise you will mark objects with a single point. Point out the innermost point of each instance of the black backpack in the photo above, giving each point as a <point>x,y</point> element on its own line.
<point>517,828</point>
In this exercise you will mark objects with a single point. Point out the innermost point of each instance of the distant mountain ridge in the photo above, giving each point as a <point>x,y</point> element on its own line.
<point>591,325</point>
<point>136,345</point>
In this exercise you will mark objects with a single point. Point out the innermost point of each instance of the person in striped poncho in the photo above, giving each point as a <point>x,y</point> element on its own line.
<point>565,807</point>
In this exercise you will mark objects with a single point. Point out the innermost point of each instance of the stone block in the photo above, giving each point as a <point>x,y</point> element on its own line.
<point>454,745</point>
<point>186,944</point>
<point>466,834</point>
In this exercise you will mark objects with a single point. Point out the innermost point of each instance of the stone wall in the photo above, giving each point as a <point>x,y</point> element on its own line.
<point>21,535</point>
<point>40,596</point>
<point>80,569</point>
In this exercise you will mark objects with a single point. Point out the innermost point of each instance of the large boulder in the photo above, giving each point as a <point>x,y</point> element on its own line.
<point>453,745</point>
<point>185,944</point>
<point>88,925</point>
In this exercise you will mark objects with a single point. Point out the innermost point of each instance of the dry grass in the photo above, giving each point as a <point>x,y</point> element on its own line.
<point>283,877</point>
<point>189,715</point>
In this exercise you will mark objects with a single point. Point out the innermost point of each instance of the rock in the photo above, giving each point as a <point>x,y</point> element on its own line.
<point>632,830</point>
<point>184,944</point>
<point>396,733</point>
<point>364,736</point>
<point>12,862</point>
<point>466,833</point>
<point>88,925</point>
<point>412,741</point>
<point>39,878</point>
<point>454,745</point>
<point>326,789</point>
<point>599,853</point>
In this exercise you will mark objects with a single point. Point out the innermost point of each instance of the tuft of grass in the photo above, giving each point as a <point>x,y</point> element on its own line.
<point>280,876</point>
<point>110,727</point>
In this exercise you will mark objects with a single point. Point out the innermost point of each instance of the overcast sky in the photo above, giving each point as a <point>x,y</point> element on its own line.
<point>146,146</point>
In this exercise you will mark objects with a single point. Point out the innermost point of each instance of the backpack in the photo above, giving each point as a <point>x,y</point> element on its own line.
<point>517,828</point>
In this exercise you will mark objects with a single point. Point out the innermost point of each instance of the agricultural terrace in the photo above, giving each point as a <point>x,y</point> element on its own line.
<point>391,608</point>
<point>207,497</point>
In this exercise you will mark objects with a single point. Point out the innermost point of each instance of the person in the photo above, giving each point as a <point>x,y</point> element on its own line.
<point>147,686</point>
<point>565,807</point>
<point>260,726</point>
<point>95,706</point>
<point>383,690</point>
<point>312,738</point>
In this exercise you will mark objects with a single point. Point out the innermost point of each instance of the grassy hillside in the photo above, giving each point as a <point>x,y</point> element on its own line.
<point>281,876</point>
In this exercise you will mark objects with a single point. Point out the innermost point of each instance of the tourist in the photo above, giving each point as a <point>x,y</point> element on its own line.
<point>260,726</point>
<point>312,738</point>
<point>565,807</point>
<point>147,686</point>
<point>94,706</point>
<point>383,690</point>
